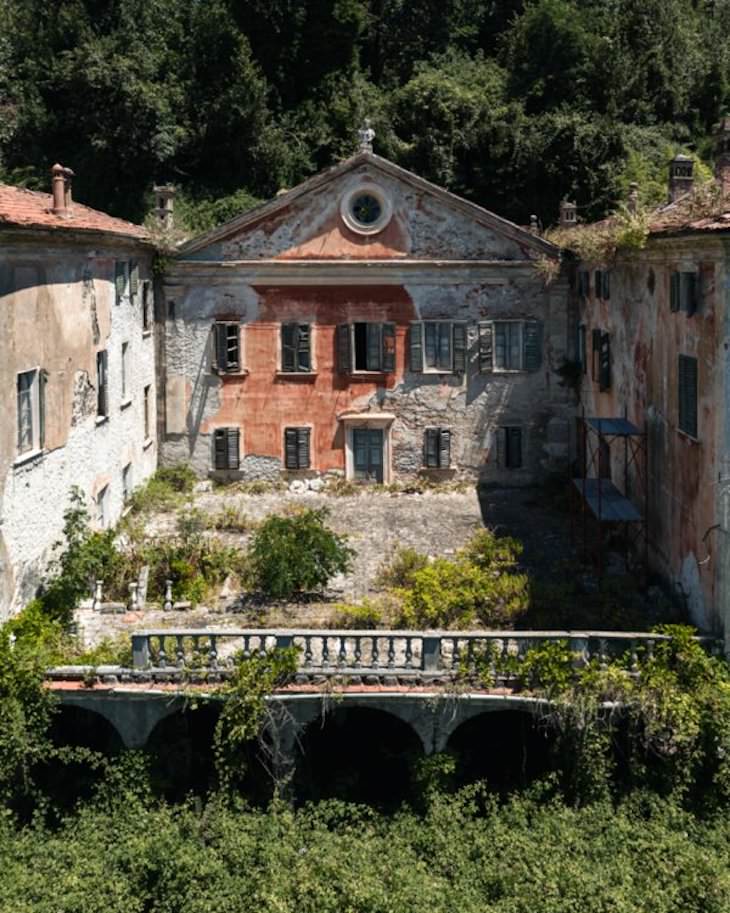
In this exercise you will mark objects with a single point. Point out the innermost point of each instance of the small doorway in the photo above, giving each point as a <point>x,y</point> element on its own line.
<point>367,445</point>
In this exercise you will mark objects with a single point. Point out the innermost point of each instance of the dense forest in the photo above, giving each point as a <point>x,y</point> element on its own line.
<point>512,103</point>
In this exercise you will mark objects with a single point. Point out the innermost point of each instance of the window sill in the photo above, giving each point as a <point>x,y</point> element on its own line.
<point>691,439</point>
<point>30,456</point>
<point>125,403</point>
<point>148,442</point>
<point>296,375</point>
<point>369,375</point>
<point>101,419</point>
<point>507,371</point>
<point>240,373</point>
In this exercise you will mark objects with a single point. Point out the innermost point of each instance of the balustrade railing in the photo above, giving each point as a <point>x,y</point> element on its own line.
<point>362,653</point>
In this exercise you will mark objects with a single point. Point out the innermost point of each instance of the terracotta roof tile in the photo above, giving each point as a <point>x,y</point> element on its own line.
<point>30,209</point>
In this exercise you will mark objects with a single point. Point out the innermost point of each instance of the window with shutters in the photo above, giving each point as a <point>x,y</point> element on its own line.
<point>297,448</point>
<point>146,306</point>
<point>227,448</point>
<point>602,282</point>
<point>102,384</point>
<point>684,292</point>
<point>147,411</point>
<point>438,346</point>
<point>133,280</point>
<point>437,448</point>
<point>363,347</point>
<point>510,345</point>
<point>125,372</point>
<point>30,388</point>
<point>227,342</point>
<point>509,447</point>
<point>121,280</point>
<point>687,395</point>
<point>296,348</point>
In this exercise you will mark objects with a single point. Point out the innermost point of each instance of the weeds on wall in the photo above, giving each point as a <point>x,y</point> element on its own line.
<point>166,490</point>
<point>599,242</point>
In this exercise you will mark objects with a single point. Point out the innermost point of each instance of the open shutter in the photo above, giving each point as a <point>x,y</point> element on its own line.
<point>415,346</point>
<point>604,376</point>
<point>606,284</point>
<point>692,299</point>
<point>288,346</point>
<point>120,276</point>
<point>344,360</point>
<point>532,345</point>
<point>459,348</point>
<point>444,449</point>
<point>444,358</point>
<point>674,292</point>
<point>485,347</point>
<point>513,442</point>
<point>220,450</point>
<point>595,354</point>
<point>290,448</point>
<point>303,347</point>
<point>374,333</point>
<point>221,346</point>
<point>431,448</point>
<point>233,437</point>
<point>303,448</point>
<point>388,347</point>
<point>42,384</point>
<point>133,278</point>
<point>687,376</point>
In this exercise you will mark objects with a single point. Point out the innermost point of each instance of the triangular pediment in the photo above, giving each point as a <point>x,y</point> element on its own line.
<point>319,220</point>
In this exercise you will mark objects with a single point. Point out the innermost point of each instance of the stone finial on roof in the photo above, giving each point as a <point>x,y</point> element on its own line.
<point>366,135</point>
<point>164,204</point>
<point>568,213</point>
<point>681,177</point>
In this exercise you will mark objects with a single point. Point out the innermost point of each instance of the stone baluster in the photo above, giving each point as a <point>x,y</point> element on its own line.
<point>246,652</point>
<point>308,655</point>
<point>161,655</point>
<point>98,595</point>
<point>375,653</point>
<point>325,651</point>
<point>358,651</point>
<point>342,653</point>
<point>409,652</point>
<point>179,651</point>
<point>603,653</point>
<point>213,652</point>
<point>167,605</point>
<point>455,654</point>
<point>196,650</point>
<point>391,651</point>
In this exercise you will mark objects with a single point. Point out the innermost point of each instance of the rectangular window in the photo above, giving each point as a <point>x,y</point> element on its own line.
<point>227,448</point>
<point>147,407</point>
<point>296,347</point>
<point>146,306</point>
<point>227,347</point>
<point>102,384</point>
<point>581,346</point>
<point>604,363</point>
<point>437,346</point>
<point>684,292</point>
<point>584,283</point>
<point>366,347</point>
<point>125,371</point>
<point>687,395</point>
<point>121,279</point>
<point>437,448</point>
<point>510,447</point>
<point>297,448</point>
<point>30,387</point>
<point>510,345</point>
<point>127,482</point>
<point>102,508</point>
<point>602,280</point>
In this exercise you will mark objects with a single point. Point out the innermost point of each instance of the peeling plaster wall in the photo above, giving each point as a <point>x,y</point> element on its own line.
<point>646,340</point>
<point>57,310</point>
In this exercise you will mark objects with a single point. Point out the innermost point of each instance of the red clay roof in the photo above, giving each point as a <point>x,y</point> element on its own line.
<point>30,209</point>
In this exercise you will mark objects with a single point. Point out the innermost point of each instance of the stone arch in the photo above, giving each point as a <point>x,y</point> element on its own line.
<point>180,750</point>
<point>133,716</point>
<point>357,751</point>
<point>507,747</point>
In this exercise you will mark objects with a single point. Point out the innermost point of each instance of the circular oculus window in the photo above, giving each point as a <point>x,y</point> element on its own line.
<point>366,210</point>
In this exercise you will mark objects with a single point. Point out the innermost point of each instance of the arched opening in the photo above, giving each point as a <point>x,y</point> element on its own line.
<point>68,781</point>
<point>182,761</point>
<point>358,754</point>
<point>506,748</point>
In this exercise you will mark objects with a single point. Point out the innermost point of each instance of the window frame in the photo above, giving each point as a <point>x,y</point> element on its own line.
<point>146,287</point>
<point>296,348</point>
<point>692,430</point>
<point>433,454</point>
<point>102,507</point>
<point>125,394</point>
<point>121,280</point>
<point>299,433</point>
<point>36,400</point>
<point>102,385</point>
<point>229,367</point>
<point>226,433</point>
<point>685,296</point>
<point>346,348</point>
<point>147,411</point>
<point>512,460</point>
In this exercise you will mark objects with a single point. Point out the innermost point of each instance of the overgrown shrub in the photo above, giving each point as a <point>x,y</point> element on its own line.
<point>165,490</point>
<point>364,616</point>
<point>399,571</point>
<point>296,554</point>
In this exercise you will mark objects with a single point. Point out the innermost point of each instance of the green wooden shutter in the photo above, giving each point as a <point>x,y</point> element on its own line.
<point>290,448</point>
<point>388,347</point>
<point>444,359</point>
<point>604,375</point>
<point>687,399</point>
<point>532,345</point>
<point>459,336</point>
<point>120,279</point>
<point>42,384</point>
<point>598,283</point>
<point>674,292</point>
<point>415,346</point>
<point>288,346</point>
<point>303,455</point>
<point>444,449</point>
<point>220,451</point>
<point>606,284</point>
<point>344,359</point>
<point>430,344</point>
<point>485,347</point>
<point>692,293</point>
<point>374,335</point>
<point>233,458</point>
<point>431,448</point>
<point>513,448</point>
<point>304,348</point>
<point>133,278</point>
<point>220,340</point>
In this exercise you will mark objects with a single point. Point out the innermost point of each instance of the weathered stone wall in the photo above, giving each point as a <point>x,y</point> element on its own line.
<point>685,475</point>
<point>57,310</point>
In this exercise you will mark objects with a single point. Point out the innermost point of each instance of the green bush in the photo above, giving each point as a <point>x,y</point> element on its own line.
<point>165,490</point>
<point>400,570</point>
<point>363,617</point>
<point>297,554</point>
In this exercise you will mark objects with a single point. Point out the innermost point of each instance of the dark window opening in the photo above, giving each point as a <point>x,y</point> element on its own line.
<point>227,347</point>
<point>684,292</point>
<point>512,448</point>
<point>102,384</point>
<point>687,381</point>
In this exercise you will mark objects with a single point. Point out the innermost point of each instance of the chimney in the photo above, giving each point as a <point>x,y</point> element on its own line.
<point>568,213</point>
<point>680,177</point>
<point>722,153</point>
<point>59,191</point>
<point>164,204</point>
<point>633,199</point>
<point>68,177</point>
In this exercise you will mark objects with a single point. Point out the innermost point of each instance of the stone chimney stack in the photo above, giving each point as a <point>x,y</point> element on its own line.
<point>568,213</point>
<point>165,205</point>
<point>58,186</point>
<point>68,177</point>
<point>681,177</point>
<point>722,153</point>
